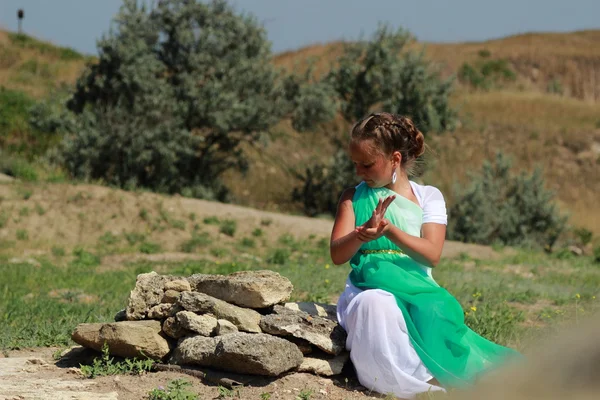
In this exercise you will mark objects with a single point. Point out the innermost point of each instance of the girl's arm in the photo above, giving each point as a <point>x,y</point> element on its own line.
<point>344,238</point>
<point>426,249</point>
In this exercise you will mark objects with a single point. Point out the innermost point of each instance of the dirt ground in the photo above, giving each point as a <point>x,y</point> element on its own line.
<point>78,215</point>
<point>33,374</point>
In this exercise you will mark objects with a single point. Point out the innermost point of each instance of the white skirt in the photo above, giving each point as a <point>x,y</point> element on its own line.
<point>380,349</point>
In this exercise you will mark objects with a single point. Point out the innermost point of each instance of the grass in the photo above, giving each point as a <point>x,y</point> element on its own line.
<point>177,389</point>
<point>509,300</point>
<point>106,365</point>
<point>24,41</point>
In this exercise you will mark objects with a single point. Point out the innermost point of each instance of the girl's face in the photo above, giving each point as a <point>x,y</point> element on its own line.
<point>371,166</point>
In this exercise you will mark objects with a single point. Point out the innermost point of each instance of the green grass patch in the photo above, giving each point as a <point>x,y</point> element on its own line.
<point>198,240</point>
<point>500,301</point>
<point>106,365</point>
<point>228,227</point>
<point>28,42</point>
<point>31,316</point>
<point>150,248</point>
<point>177,389</point>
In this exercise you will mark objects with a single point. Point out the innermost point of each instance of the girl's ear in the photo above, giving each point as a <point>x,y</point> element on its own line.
<point>396,158</point>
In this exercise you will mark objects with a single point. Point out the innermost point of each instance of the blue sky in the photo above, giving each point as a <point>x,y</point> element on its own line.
<point>296,23</point>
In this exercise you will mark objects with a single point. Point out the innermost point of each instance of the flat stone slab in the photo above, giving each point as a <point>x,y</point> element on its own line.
<point>321,332</point>
<point>245,353</point>
<point>245,319</point>
<point>124,339</point>
<point>251,289</point>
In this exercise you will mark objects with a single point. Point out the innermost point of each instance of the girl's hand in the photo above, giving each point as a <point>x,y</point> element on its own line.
<point>366,234</point>
<point>379,212</point>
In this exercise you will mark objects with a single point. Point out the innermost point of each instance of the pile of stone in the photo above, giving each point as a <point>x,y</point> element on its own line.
<point>239,323</point>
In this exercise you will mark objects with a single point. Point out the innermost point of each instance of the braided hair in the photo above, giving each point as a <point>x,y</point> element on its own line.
<point>390,133</point>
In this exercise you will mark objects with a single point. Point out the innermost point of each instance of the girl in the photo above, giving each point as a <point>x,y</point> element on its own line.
<point>406,334</point>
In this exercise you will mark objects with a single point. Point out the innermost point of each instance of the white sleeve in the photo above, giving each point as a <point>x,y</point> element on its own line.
<point>434,206</point>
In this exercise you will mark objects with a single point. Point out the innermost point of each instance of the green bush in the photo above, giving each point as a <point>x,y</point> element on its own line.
<point>279,256</point>
<point>378,73</point>
<point>383,73</point>
<point>501,207</point>
<point>555,86</point>
<point>14,108</point>
<point>584,236</point>
<point>150,248</point>
<point>178,88</point>
<point>486,74</point>
<point>18,167</point>
<point>197,240</point>
<point>228,227</point>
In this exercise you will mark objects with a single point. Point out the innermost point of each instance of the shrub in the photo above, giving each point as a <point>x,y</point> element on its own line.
<point>178,89</point>
<point>228,227</point>
<point>487,73</point>
<point>14,106</point>
<point>18,167</point>
<point>555,86</point>
<point>150,248</point>
<point>382,73</point>
<point>197,240</point>
<point>377,73</point>
<point>499,206</point>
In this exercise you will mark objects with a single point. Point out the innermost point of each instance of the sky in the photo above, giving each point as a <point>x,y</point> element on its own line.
<point>292,24</point>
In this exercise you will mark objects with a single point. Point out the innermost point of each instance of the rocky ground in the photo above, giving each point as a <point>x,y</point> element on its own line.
<point>35,374</point>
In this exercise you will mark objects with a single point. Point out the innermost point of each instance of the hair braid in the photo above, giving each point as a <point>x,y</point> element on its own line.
<point>389,133</point>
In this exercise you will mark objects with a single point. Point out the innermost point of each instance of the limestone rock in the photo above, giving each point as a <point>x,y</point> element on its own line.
<point>323,333</point>
<point>204,325</point>
<point>172,328</point>
<point>180,285</point>
<point>225,327</point>
<point>170,296</point>
<point>303,345</point>
<point>251,289</point>
<point>244,319</point>
<point>163,310</point>
<point>88,335</point>
<point>125,339</point>
<point>324,366</point>
<point>245,353</point>
<point>328,311</point>
<point>148,292</point>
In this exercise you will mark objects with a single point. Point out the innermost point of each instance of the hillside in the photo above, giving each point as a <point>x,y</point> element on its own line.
<point>525,118</point>
<point>36,218</point>
<point>572,59</point>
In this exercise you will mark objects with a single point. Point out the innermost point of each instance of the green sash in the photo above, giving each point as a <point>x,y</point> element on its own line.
<point>452,352</point>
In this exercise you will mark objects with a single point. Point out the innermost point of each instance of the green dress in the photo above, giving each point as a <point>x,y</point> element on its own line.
<point>453,353</point>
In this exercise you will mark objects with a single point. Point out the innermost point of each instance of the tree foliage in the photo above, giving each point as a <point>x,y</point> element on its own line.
<point>177,89</point>
<point>380,73</point>
<point>501,207</point>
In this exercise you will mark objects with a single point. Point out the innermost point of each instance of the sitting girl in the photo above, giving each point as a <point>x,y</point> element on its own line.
<point>406,334</point>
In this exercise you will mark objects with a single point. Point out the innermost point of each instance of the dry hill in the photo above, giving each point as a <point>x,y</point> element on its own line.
<point>561,133</point>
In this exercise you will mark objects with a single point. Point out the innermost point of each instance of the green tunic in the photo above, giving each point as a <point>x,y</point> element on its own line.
<point>452,352</point>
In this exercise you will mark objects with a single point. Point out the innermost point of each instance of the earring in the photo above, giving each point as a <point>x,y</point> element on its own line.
<point>394,177</point>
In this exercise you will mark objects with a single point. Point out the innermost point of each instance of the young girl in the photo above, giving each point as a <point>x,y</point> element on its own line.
<point>406,334</point>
